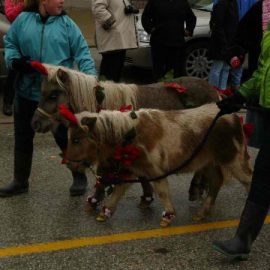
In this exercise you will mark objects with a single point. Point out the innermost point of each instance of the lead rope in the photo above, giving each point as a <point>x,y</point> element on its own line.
<point>181,166</point>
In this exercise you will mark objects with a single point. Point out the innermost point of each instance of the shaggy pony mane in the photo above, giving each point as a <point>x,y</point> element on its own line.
<point>81,90</point>
<point>111,126</point>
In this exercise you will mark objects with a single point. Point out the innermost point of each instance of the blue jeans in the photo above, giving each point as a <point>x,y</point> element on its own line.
<point>236,76</point>
<point>219,74</point>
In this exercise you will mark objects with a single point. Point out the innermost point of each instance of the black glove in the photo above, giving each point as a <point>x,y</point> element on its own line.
<point>231,104</point>
<point>23,65</point>
<point>108,24</point>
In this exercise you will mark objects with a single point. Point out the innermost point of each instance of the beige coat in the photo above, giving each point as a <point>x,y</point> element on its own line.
<point>122,34</point>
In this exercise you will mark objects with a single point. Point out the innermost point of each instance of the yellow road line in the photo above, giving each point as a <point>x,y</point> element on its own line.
<point>108,239</point>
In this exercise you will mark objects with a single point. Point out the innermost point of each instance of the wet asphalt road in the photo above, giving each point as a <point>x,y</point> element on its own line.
<point>48,214</point>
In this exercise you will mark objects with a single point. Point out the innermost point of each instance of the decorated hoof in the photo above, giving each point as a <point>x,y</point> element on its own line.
<point>91,204</point>
<point>101,217</point>
<point>166,219</point>
<point>104,214</point>
<point>145,202</point>
<point>202,214</point>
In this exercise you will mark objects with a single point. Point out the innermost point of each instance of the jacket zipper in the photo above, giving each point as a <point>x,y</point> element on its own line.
<point>41,42</point>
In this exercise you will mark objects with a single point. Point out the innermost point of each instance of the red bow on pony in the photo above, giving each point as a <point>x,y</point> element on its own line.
<point>39,67</point>
<point>67,114</point>
<point>178,87</point>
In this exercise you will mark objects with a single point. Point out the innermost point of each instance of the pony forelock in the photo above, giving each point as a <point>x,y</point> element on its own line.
<point>111,126</point>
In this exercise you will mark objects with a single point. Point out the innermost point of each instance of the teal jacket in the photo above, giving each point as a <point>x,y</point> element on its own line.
<point>259,84</point>
<point>58,41</point>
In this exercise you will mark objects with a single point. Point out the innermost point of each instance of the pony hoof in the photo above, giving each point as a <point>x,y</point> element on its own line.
<point>101,217</point>
<point>166,219</point>
<point>145,202</point>
<point>91,204</point>
<point>198,217</point>
<point>104,214</point>
<point>165,222</point>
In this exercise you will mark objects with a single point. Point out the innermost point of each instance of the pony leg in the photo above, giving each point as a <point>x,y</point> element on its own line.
<point>214,179</point>
<point>147,197</point>
<point>162,189</point>
<point>244,176</point>
<point>111,203</point>
<point>196,187</point>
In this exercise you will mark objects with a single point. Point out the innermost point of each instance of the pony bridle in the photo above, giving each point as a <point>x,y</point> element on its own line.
<point>46,114</point>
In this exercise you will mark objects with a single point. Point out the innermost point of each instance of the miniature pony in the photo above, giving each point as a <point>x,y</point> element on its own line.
<point>148,143</point>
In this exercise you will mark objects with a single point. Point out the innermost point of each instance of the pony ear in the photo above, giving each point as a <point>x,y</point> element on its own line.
<point>89,122</point>
<point>62,75</point>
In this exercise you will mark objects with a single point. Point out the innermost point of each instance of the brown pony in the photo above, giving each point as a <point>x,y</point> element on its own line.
<point>151,142</point>
<point>81,92</point>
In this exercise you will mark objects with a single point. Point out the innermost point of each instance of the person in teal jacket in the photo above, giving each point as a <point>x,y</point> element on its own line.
<point>46,34</point>
<point>258,201</point>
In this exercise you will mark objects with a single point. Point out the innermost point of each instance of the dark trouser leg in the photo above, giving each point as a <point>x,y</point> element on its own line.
<point>175,62</point>
<point>79,184</point>
<point>159,61</point>
<point>9,93</point>
<point>256,207</point>
<point>112,65</point>
<point>24,134</point>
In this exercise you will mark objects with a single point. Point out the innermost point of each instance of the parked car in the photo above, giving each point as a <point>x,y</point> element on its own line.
<point>196,60</point>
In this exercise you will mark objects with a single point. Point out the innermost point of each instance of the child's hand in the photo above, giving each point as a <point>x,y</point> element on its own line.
<point>22,65</point>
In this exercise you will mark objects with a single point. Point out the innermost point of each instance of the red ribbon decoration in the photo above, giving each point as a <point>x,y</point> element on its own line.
<point>67,114</point>
<point>125,108</point>
<point>178,87</point>
<point>39,67</point>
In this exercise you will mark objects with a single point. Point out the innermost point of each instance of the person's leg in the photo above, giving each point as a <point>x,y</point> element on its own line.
<point>105,70</point>
<point>223,78</point>
<point>175,62</point>
<point>256,207</point>
<point>215,72</point>
<point>24,134</point>
<point>159,61</point>
<point>112,65</point>
<point>79,184</point>
<point>236,76</point>
<point>9,93</point>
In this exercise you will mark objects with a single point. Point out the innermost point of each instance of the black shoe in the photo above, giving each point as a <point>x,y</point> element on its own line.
<point>7,109</point>
<point>234,249</point>
<point>14,188</point>
<point>251,222</point>
<point>79,184</point>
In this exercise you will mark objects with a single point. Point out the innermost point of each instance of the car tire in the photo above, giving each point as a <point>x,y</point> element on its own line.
<point>196,60</point>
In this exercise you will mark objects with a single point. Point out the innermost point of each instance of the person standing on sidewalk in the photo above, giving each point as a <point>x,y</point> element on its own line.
<point>223,25</point>
<point>258,201</point>
<point>115,33</point>
<point>168,22</point>
<point>46,34</point>
<point>12,9</point>
<point>236,73</point>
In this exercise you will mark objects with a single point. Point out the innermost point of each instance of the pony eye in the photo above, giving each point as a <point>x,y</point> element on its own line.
<point>53,95</point>
<point>75,141</point>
